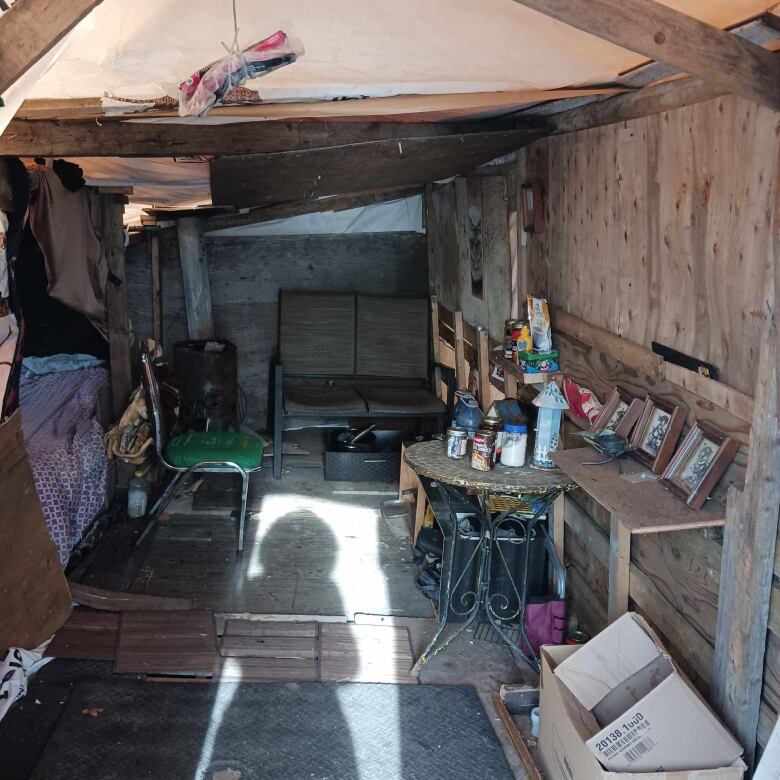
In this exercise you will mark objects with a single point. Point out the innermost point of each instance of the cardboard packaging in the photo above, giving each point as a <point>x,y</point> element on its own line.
<point>618,707</point>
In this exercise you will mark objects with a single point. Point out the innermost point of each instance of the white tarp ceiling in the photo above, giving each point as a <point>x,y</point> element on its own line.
<point>404,214</point>
<point>353,48</point>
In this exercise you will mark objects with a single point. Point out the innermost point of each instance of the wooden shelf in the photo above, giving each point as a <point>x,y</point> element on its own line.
<point>522,377</point>
<point>638,504</point>
<point>644,507</point>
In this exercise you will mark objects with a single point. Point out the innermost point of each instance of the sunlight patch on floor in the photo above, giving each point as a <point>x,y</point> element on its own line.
<point>357,569</point>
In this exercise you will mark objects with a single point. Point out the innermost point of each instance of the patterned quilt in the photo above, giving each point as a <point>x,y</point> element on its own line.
<point>64,441</point>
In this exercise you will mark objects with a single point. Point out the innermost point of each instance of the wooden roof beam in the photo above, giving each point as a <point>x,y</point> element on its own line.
<point>664,34</point>
<point>30,28</point>
<point>633,105</point>
<point>115,138</point>
<point>267,179</point>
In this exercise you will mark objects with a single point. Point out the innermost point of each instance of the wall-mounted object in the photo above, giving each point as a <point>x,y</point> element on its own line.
<point>532,205</point>
<point>656,433</point>
<point>699,463</point>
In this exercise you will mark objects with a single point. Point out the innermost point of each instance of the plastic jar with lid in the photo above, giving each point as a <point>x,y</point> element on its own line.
<point>514,444</point>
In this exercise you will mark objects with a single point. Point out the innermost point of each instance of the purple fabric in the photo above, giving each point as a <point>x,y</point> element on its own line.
<point>64,442</point>
<point>545,622</point>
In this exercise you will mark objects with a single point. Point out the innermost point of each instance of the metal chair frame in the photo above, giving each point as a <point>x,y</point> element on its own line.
<point>181,472</point>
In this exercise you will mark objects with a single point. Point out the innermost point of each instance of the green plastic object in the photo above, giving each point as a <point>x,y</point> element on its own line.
<point>187,449</point>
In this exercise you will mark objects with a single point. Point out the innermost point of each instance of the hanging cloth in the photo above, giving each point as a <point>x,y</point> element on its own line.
<point>65,225</point>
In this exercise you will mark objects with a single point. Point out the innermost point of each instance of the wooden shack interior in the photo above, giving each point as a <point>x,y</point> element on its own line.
<point>248,323</point>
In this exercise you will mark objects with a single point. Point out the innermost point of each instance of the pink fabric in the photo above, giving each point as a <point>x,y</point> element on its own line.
<point>545,622</point>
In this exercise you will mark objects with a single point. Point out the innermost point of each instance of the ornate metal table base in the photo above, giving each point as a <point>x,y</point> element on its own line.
<point>483,600</point>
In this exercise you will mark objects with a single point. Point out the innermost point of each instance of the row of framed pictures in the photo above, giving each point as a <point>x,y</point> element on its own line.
<point>653,428</point>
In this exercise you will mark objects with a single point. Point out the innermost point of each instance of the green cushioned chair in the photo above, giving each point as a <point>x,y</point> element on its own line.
<point>198,452</point>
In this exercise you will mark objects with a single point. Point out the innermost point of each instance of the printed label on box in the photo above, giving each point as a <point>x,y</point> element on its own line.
<point>631,739</point>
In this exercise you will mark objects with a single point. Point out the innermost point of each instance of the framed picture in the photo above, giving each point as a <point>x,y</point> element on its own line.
<point>698,464</point>
<point>619,413</point>
<point>656,433</point>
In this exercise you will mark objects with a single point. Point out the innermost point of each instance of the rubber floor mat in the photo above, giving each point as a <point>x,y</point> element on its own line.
<point>126,729</point>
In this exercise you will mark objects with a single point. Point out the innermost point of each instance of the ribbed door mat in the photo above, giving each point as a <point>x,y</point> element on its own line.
<point>272,731</point>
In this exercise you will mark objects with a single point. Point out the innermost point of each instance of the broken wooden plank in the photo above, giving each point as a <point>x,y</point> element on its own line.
<point>114,601</point>
<point>30,28</point>
<point>665,34</point>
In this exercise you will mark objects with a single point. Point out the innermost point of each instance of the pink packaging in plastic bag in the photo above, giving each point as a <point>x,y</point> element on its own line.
<point>209,85</point>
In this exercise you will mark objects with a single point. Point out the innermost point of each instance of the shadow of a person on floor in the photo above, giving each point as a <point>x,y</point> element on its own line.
<point>302,729</point>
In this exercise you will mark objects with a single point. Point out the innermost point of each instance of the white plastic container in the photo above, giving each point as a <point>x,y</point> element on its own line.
<point>137,495</point>
<point>514,445</point>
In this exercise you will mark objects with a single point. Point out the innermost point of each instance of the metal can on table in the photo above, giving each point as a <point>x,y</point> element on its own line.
<point>456,442</point>
<point>483,450</point>
<point>495,426</point>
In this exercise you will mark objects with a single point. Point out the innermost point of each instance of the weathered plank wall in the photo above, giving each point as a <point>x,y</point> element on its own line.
<point>246,275</point>
<point>656,229</point>
<point>467,221</point>
<point>661,229</point>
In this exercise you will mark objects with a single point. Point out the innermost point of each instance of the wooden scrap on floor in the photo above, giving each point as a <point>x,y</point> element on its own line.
<point>517,739</point>
<point>88,634</point>
<point>177,643</point>
<point>365,653</point>
<point>115,601</point>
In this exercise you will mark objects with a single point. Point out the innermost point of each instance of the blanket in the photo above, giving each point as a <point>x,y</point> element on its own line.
<point>64,442</point>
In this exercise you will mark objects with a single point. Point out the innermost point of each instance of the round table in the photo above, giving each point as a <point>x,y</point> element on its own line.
<point>444,480</point>
<point>429,459</point>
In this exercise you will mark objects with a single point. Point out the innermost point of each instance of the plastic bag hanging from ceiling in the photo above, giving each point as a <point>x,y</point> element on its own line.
<point>210,84</point>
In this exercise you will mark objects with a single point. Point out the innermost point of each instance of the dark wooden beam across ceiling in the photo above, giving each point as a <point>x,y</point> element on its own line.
<point>667,35</point>
<point>633,105</point>
<point>258,180</point>
<point>115,138</point>
<point>30,28</point>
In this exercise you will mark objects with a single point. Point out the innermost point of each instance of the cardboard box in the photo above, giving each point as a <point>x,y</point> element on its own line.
<point>661,723</point>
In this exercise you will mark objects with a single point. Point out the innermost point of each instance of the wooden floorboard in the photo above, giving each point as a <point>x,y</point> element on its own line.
<point>269,628</point>
<point>166,643</point>
<point>88,634</point>
<point>268,647</point>
<point>364,653</point>
<point>267,670</point>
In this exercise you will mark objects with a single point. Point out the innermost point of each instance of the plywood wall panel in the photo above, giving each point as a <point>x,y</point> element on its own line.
<point>658,228</point>
<point>468,224</point>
